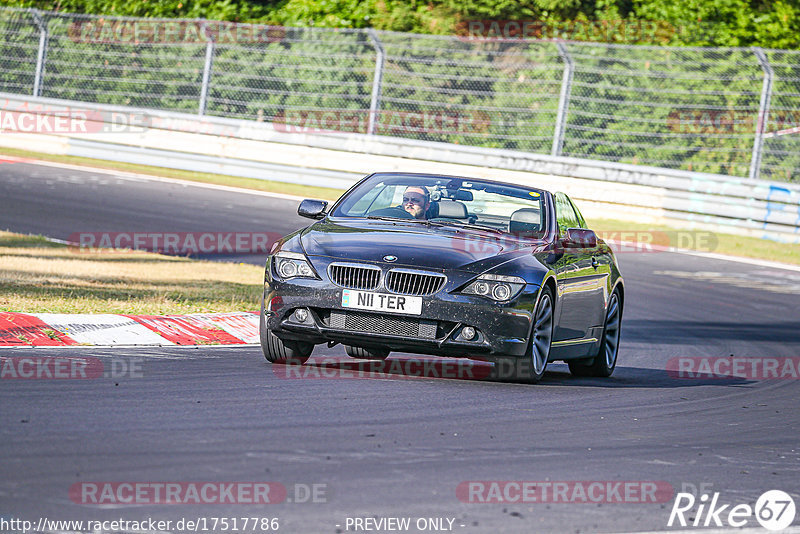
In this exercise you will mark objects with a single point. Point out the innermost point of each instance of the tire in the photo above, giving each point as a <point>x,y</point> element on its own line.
<point>604,363</point>
<point>531,367</point>
<point>282,352</point>
<point>366,354</point>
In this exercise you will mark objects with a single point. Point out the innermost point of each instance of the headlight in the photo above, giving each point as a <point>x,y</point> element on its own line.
<point>293,265</point>
<point>495,286</point>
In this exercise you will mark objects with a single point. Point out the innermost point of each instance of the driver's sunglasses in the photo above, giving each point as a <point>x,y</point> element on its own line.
<point>415,200</point>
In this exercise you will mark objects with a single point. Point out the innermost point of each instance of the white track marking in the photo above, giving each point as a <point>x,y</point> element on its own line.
<point>132,176</point>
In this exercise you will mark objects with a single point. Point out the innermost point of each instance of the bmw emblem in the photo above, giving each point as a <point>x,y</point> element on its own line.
<point>390,258</point>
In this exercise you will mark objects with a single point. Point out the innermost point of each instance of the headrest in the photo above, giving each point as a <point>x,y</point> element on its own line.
<point>452,209</point>
<point>525,221</point>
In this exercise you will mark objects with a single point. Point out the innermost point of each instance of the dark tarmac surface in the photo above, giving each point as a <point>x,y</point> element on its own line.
<point>392,445</point>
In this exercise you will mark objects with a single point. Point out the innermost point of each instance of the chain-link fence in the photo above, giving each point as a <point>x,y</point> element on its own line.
<point>732,111</point>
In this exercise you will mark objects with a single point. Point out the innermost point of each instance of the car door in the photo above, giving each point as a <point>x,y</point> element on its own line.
<point>581,280</point>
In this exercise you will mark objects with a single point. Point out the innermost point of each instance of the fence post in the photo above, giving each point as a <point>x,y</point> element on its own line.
<point>209,63</point>
<point>41,55</point>
<point>563,100</point>
<point>763,113</point>
<point>375,101</point>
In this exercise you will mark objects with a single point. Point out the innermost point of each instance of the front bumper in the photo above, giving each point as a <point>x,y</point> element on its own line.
<point>502,330</point>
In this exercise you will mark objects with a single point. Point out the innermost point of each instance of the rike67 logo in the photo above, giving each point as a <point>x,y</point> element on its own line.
<point>774,510</point>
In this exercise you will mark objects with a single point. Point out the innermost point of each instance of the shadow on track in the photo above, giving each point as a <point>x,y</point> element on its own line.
<point>328,368</point>
<point>638,377</point>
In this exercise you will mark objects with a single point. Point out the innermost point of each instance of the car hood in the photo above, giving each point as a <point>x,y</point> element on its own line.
<point>413,244</point>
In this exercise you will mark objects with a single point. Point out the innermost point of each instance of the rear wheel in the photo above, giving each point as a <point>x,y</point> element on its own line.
<point>279,351</point>
<point>366,354</point>
<point>606,360</point>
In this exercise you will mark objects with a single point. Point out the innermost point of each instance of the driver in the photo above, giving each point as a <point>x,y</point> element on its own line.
<point>416,201</point>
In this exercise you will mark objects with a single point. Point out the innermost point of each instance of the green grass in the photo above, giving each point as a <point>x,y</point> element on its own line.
<point>39,276</point>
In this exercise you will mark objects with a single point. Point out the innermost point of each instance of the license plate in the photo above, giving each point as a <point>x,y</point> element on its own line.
<point>366,300</point>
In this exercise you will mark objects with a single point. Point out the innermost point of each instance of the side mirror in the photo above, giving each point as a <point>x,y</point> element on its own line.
<point>580,238</point>
<point>312,209</point>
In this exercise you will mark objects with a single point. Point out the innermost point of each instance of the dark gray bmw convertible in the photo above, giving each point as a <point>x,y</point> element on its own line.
<point>446,266</point>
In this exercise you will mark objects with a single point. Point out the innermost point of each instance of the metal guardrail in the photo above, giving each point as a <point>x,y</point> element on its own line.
<point>215,165</point>
<point>732,111</point>
<point>262,150</point>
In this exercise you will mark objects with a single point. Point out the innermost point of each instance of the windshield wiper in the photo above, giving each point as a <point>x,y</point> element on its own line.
<point>404,219</point>
<point>384,218</point>
<point>469,225</point>
<point>438,223</point>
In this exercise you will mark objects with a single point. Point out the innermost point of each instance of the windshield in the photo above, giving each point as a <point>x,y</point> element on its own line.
<point>447,201</point>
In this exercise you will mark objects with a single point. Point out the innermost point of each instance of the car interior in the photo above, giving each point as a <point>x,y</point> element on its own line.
<point>451,204</point>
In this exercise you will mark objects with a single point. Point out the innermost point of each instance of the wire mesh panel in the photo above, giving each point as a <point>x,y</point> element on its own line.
<point>781,146</point>
<point>697,109</point>
<point>481,92</point>
<point>308,79</point>
<point>19,45</point>
<point>681,108</point>
<point>133,62</point>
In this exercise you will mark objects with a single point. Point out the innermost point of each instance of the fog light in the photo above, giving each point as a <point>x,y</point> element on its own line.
<point>468,333</point>
<point>301,315</point>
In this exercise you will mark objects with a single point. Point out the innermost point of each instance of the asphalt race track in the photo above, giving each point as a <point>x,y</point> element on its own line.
<point>391,445</point>
<point>61,203</point>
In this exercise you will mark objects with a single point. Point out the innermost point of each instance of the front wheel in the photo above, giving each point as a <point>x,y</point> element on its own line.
<point>531,368</point>
<point>282,352</point>
<point>606,360</point>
